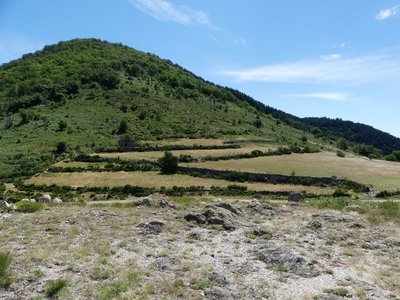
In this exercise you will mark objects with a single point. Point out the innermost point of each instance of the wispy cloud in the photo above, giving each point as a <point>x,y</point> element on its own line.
<point>323,96</point>
<point>387,13</point>
<point>333,56</point>
<point>383,66</point>
<point>167,11</point>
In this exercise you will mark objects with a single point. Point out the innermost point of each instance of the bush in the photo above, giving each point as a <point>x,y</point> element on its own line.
<point>62,125</point>
<point>61,147</point>
<point>55,287</point>
<point>340,153</point>
<point>168,163</point>
<point>28,207</point>
<point>340,193</point>
<point>5,276</point>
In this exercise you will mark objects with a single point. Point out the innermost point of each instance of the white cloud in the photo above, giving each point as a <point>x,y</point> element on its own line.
<point>166,11</point>
<point>323,96</point>
<point>387,13</point>
<point>379,67</point>
<point>333,56</point>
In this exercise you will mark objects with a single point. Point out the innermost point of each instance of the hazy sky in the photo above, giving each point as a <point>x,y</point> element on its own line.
<point>336,58</point>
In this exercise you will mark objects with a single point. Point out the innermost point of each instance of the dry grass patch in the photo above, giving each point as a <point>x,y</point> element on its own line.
<point>154,179</point>
<point>154,155</point>
<point>381,174</point>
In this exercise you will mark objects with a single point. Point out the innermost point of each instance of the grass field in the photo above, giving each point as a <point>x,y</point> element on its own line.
<point>154,155</point>
<point>154,179</point>
<point>381,174</point>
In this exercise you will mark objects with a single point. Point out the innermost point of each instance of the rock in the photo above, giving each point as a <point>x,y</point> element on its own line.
<point>219,216</point>
<point>355,225</point>
<point>217,278</point>
<point>57,201</point>
<point>264,208</point>
<point>46,198</point>
<point>198,234</point>
<point>217,293</point>
<point>196,217</point>
<point>213,215</point>
<point>314,224</point>
<point>32,200</point>
<point>154,200</point>
<point>165,263</point>
<point>286,260</point>
<point>260,231</point>
<point>25,200</point>
<point>296,197</point>
<point>229,207</point>
<point>9,206</point>
<point>153,227</point>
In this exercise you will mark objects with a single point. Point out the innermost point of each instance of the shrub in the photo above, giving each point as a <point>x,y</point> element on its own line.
<point>5,276</point>
<point>340,193</point>
<point>123,127</point>
<point>61,147</point>
<point>340,153</point>
<point>62,125</point>
<point>28,207</point>
<point>168,163</point>
<point>54,287</point>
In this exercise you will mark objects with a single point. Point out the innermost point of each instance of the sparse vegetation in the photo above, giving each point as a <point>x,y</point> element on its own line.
<point>5,274</point>
<point>55,287</point>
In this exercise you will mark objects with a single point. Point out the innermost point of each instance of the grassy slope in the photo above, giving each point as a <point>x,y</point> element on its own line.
<point>381,174</point>
<point>156,98</point>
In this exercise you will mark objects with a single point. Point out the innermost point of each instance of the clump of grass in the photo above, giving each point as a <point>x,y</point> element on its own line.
<point>5,275</point>
<point>112,290</point>
<point>99,273</point>
<point>29,207</point>
<point>342,292</point>
<point>54,287</point>
<point>332,203</point>
<point>384,211</point>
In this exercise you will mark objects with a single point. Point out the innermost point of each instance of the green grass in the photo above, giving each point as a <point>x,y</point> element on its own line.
<point>332,203</point>
<point>5,275</point>
<point>54,288</point>
<point>29,207</point>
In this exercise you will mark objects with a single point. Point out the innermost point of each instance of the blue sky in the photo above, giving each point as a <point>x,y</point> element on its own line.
<point>310,58</point>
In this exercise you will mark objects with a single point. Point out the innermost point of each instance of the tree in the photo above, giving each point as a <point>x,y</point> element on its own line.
<point>342,144</point>
<point>9,120</point>
<point>168,163</point>
<point>61,147</point>
<point>62,125</point>
<point>257,122</point>
<point>123,127</point>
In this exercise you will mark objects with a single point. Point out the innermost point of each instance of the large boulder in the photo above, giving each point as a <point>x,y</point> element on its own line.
<point>215,215</point>
<point>46,198</point>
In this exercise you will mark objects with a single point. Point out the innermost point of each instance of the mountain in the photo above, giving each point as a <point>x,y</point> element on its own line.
<point>84,95</point>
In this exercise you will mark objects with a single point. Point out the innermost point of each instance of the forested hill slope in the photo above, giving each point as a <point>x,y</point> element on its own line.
<point>89,93</point>
<point>356,133</point>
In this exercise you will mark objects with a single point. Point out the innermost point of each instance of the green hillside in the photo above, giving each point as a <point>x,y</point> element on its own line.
<point>88,94</point>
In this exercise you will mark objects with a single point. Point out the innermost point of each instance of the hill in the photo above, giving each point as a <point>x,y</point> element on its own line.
<point>85,94</point>
<point>356,132</point>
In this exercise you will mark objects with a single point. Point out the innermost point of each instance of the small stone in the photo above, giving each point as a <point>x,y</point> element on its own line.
<point>46,198</point>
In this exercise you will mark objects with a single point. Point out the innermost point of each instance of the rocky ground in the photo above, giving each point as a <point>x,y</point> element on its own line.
<point>156,248</point>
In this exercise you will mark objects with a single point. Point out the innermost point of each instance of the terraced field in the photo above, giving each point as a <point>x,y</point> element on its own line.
<point>154,179</point>
<point>154,155</point>
<point>381,174</point>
